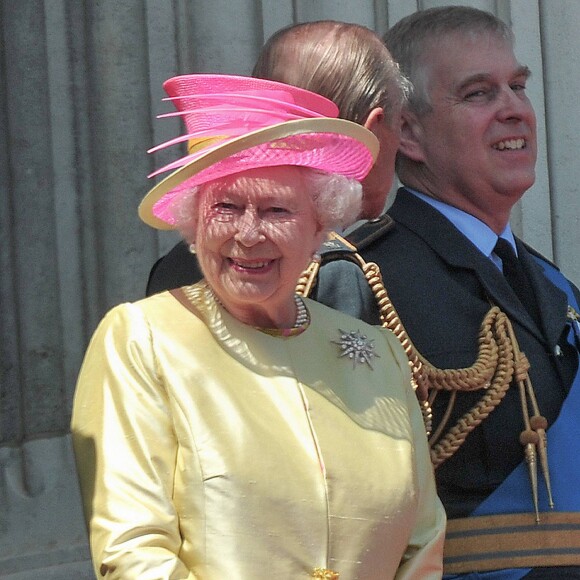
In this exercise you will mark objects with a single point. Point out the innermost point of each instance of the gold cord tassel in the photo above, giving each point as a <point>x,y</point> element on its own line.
<point>530,454</point>
<point>533,438</point>
<point>539,425</point>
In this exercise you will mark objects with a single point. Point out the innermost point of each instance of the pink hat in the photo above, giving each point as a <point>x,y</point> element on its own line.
<point>236,123</point>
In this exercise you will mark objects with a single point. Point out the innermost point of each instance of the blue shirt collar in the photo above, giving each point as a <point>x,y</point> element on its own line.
<point>478,233</point>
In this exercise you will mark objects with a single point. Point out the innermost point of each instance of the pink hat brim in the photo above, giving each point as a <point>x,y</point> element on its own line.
<point>325,144</point>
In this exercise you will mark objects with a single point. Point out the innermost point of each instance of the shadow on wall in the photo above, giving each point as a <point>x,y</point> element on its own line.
<point>42,529</point>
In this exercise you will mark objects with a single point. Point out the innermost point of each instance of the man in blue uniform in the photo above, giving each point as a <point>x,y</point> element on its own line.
<point>467,155</point>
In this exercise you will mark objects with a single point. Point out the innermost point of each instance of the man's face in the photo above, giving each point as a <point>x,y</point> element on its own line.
<point>478,144</point>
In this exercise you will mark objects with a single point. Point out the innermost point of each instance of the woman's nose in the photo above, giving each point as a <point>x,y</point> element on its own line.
<point>249,229</point>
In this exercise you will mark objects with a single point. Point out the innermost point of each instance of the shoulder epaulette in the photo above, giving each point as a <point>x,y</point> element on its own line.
<point>336,245</point>
<point>369,231</point>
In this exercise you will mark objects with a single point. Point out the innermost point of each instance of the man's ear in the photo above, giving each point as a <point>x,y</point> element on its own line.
<point>375,118</point>
<point>411,136</point>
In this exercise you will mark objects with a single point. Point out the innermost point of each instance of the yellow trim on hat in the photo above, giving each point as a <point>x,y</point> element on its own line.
<point>194,145</point>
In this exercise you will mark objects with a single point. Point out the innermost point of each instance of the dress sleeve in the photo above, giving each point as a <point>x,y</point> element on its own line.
<point>125,449</point>
<point>423,558</point>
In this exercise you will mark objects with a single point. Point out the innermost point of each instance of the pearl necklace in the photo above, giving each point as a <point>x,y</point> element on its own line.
<point>302,314</point>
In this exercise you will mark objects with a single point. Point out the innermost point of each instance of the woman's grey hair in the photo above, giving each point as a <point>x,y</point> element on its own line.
<point>337,202</point>
<point>410,40</point>
<point>346,63</point>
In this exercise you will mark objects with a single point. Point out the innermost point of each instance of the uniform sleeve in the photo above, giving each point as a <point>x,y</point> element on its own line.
<point>423,558</point>
<point>341,285</point>
<point>125,450</point>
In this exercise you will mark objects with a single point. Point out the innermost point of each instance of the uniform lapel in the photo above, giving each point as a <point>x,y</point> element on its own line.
<point>457,251</point>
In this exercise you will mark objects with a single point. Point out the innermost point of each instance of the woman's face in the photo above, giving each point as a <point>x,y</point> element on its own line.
<point>256,231</point>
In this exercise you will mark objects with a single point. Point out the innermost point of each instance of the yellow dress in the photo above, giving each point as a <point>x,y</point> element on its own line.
<point>207,449</point>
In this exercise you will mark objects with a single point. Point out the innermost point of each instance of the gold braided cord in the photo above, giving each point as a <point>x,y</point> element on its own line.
<point>455,437</point>
<point>499,360</point>
<point>493,369</point>
<point>477,376</point>
<point>308,278</point>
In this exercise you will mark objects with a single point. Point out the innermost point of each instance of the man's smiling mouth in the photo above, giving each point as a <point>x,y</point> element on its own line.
<point>510,144</point>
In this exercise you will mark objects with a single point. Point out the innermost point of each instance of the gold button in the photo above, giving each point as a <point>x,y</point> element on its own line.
<point>325,574</point>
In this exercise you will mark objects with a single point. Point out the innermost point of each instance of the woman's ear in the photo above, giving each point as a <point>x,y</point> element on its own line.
<point>411,136</point>
<point>319,238</point>
<point>321,234</point>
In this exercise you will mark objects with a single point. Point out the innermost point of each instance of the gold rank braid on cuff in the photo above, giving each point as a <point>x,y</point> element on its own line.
<point>499,360</point>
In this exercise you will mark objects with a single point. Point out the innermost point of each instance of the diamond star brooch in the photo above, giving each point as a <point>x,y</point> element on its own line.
<point>357,347</point>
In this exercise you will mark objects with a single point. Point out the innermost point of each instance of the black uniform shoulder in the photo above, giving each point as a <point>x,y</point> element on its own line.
<point>179,267</point>
<point>537,254</point>
<point>348,246</point>
<point>370,231</point>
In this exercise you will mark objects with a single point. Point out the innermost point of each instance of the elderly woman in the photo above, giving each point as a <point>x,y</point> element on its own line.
<point>347,63</point>
<point>230,429</point>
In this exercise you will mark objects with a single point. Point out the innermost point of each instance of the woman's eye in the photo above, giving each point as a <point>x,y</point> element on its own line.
<point>225,206</point>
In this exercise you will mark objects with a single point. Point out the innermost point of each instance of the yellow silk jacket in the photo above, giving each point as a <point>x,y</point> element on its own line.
<point>207,449</point>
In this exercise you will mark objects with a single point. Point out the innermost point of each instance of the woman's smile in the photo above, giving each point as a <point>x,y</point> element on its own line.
<point>251,266</point>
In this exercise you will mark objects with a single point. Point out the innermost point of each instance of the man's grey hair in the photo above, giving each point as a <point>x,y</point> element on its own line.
<point>410,40</point>
<point>346,63</point>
